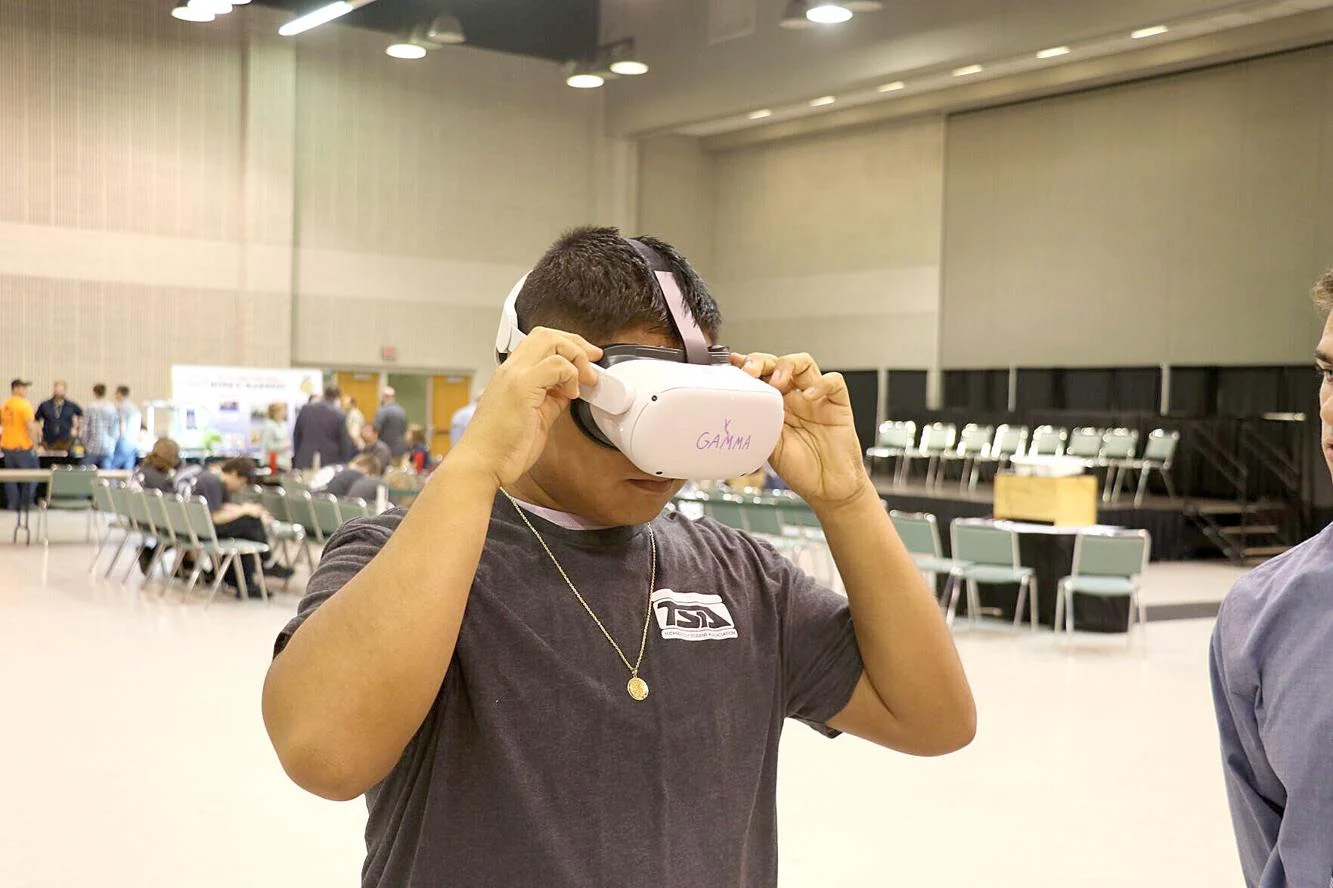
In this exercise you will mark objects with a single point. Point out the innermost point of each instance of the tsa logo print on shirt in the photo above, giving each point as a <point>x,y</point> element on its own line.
<point>692,616</point>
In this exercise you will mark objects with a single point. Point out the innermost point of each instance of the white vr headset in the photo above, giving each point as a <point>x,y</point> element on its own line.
<point>675,413</point>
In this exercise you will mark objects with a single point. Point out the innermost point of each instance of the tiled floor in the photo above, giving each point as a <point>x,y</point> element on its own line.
<point>133,755</point>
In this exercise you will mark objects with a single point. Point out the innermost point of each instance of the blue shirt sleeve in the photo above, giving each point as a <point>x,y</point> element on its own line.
<point>1272,675</point>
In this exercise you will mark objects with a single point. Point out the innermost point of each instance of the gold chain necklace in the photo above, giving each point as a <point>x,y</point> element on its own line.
<point>637,687</point>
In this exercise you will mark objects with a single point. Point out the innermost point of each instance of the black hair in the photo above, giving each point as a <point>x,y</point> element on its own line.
<point>242,466</point>
<point>123,391</point>
<point>99,390</point>
<point>594,283</point>
<point>332,393</point>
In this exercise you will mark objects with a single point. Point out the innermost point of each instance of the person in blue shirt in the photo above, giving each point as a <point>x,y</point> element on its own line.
<point>1272,679</point>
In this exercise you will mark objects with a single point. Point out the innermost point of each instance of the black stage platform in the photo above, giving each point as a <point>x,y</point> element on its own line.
<point>1051,555</point>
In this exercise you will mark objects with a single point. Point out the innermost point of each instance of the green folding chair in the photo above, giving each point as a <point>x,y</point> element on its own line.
<point>1107,565</point>
<point>70,490</point>
<point>732,514</point>
<point>920,533</point>
<point>350,507</point>
<point>222,552</point>
<point>991,556</point>
<point>105,511</point>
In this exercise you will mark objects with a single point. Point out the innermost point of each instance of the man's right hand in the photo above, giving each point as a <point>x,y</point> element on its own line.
<point>535,384</point>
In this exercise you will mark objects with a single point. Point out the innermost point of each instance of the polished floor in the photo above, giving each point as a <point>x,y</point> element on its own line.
<point>133,755</point>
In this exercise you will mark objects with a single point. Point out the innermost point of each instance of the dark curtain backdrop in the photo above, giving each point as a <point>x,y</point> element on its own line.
<point>906,394</point>
<point>863,387</point>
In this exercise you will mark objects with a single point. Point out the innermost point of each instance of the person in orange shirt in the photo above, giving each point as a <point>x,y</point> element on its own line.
<point>17,432</point>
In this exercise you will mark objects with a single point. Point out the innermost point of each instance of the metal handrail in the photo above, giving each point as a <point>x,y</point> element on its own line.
<point>1271,457</point>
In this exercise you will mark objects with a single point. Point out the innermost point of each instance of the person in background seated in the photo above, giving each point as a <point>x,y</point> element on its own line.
<point>126,453</point>
<point>355,418</point>
<point>418,454</point>
<point>372,445</point>
<point>391,423</point>
<point>18,431</point>
<point>60,419</point>
<point>1271,667</point>
<point>218,485</point>
<point>321,432</point>
<point>101,429</point>
<point>158,467</point>
<point>360,479</point>
<point>275,445</point>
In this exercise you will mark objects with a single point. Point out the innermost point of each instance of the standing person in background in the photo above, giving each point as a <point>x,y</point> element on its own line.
<point>418,454</point>
<point>355,418</point>
<point>1272,677</point>
<point>458,422</point>
<point>60,419</point>
<point>275,444</point>
<point>321,431</point>
<point>126,453</point>
<point>391,423</point>
<point>18,431</point>
<point>101,429</point>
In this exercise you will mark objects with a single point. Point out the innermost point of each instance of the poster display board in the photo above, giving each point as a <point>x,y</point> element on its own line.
<point>222,409</point>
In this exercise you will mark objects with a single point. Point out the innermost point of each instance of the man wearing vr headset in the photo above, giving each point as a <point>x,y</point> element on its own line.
<point>536,678</point>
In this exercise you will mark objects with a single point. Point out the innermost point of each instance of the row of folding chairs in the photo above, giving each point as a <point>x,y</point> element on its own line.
<point>1107,563</point>
<point>940,444</point>
<point>177,526</point>
<point>788,525</point>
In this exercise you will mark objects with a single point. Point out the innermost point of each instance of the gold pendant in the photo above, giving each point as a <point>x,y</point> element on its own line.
<point>637,687</point>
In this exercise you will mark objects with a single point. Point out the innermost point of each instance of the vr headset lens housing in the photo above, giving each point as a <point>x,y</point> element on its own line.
<point>681,413</point>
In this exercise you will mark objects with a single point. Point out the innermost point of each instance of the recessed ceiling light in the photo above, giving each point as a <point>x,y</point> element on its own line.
<point>585,81</point>
<point>822,100</point>
<point>186,14</point>
<point>827,12</point>
<point>1152,31</point>
<point>629,68</point>
<point>891,87</point>
<point>1052,52</point>
<point>966,70</point>
<point>760,114</point>
<point>217,7</point>
<point>405,51</point>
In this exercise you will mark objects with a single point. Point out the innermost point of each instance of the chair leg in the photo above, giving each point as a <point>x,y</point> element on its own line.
<point>953,599</point>
<point>973,603</point>
<point>101,547</point>
<point>194,575</point>
<point>159,553</point>
<point>259,575</point>
<point>1018,605</point>
<point>116,557</point>
<point>41,523</point>
<point>1166,480</point>
<point>1111,472</point>
<point>218,577</point>
<point>1059,606</point>
<point>1069,613</point>
<point>1032,604</point>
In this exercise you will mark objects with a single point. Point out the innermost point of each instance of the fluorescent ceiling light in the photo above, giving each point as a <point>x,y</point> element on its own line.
<point>760,114</point>
<point>585,81</point>
<point>966,70</point>
<point>405,50</point>
<point>822,100</point>
<point>1052,52</point>
<point>217,7</point>
<point>629,68</point>
<point>320,16</point>
<point>1152,31</point>
<point>891,87</point>
<point>826,12</point>
<point>186,14</point>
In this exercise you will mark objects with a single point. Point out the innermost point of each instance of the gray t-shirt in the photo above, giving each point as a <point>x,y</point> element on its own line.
<point>534,767</point>
<point>391,423</point>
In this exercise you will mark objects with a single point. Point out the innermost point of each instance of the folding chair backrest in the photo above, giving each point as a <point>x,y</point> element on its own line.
<point>274,501</point>
<point>1120,444</point>
<point>918,531</point>
<point>1009,440</point>
<point>1161,446</point>
<point>974,440</point>
<point>763,519</point>
<point>139,510</point>
<point>293,486</point>
<point>899,435</point>
<point>177,519</point>
<point>200,520</point>
<point>102,496</point>
<point>798,516</point>
<point>68,483</point>
<point>981,542</point>
<point>120,501</point>
<point>938,437</point>
<point>325,506</point>
<point>1048,441</point>
<point>724,512</point>
<point>353,507</point>
<point>1121,554</point>
<point>1085,443</point>
<point>155,502</point>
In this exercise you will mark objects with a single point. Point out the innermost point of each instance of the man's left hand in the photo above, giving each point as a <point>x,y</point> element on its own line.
<point>818,454</point>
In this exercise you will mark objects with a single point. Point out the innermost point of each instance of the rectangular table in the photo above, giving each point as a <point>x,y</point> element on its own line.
<point>41,476</point>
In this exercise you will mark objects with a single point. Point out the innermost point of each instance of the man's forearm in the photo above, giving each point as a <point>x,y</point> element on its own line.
<point>356,680</point>
<point>905,645</point>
